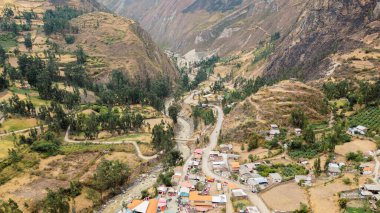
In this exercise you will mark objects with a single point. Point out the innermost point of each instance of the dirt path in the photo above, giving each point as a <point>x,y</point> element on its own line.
<point>134,143</point>
<point>21,130</point>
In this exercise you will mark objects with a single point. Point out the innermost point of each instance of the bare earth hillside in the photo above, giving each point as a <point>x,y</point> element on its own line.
<point>116,43</point>
<point>274,105</point>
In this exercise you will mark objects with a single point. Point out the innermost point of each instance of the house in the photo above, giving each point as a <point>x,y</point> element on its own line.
<point>245,177</point>
<point>373,188</point>
<point>234,166</point>
<point>298,131</point>
<point>252,209</point>
<point>303,180</point>
<point>261,181</point>
<point>274,130</point>
<point>333,169</point>
<point>219,199</point>
<point>275,177</point>
<point>171,191</point>
<point>214,154</point>
<point>176,178</point>
<point>238,193</point>
<point>367,170</point>
<point>193,164</point>
<point>187,184</point>
<point>226,148</point>
<point>201,203</point>
<point>162,204</point>
<point>198,151</point>
<point>162,189</point>
<point>184,192</point>
<point>146,206</point>
<point>362,130</point>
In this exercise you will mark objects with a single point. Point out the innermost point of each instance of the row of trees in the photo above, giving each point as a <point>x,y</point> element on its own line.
<point>58,20</point>
<point>362,92</point>
<point>112,121</point>
<point>121,91</point>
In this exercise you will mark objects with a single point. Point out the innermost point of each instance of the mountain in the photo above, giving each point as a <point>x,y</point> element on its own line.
<point>326,27</point>
<point>116,43</point>
<point>225,26</point>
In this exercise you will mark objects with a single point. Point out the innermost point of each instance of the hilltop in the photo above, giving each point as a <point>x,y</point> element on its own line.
<point>274,104</point>
<point>116,43</point>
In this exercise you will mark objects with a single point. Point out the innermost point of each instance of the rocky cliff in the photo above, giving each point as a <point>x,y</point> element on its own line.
<point>207,25</point>
<point>324,28</point>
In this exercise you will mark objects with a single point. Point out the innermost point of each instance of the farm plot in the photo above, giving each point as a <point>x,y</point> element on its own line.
<point>369,117</point>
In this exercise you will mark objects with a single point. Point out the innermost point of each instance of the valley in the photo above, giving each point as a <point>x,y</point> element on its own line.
<point>189,106</point>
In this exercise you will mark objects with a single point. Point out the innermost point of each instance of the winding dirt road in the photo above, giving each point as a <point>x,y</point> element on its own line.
<point>134,143</point>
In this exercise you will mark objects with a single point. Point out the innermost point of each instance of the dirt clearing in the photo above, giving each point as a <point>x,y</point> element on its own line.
<point>285,197</point>
<point>355,145</point>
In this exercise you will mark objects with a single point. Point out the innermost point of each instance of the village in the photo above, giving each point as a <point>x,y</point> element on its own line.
<point>222,178</point>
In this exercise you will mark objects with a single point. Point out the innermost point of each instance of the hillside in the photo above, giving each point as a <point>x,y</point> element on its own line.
<point>207,25</point>
<point>274,104</point>
<point>323,29</point>
<point>116,43</point>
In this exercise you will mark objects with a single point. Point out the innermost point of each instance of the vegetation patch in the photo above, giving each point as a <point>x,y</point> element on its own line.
<point>368,117</point>
<point>8,41</point>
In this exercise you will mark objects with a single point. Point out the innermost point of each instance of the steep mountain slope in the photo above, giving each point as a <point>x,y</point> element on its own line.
<point>110,41</point>
<point>207,25</point>
<point>116,43</point>
<point>324,28</point>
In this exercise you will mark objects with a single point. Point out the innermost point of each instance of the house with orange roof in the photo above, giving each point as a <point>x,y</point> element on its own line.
<point>143,206</point>
<point>234,166</point>
<point>200,202</point>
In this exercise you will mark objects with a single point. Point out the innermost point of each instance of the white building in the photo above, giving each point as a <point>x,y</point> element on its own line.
<point>275,177</point>
<point>252,209</point>
<point>362,130</point>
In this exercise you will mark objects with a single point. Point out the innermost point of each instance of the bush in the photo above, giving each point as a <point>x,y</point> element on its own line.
<point>70,39</point>
<point>46,147</point>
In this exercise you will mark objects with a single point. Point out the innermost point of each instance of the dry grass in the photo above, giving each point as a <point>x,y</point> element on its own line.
<point>324,197</point>
<point>355,145</point>
<point>15,124</point>
<point>285,197</point>
<point>5,145</point>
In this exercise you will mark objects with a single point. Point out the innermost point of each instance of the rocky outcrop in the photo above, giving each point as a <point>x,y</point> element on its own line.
<point>325,27</point>
<point>226,26</point>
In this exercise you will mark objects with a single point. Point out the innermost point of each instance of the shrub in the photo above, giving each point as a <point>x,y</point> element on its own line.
<point>70,39</point>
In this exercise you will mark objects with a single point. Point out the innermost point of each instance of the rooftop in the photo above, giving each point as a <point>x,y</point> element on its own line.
<point>194,196</point>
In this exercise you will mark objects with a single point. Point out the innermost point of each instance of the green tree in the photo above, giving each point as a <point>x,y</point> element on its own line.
<point>3,56</point>
<point>253,144</point>
<point>28,41</point>
<point>56,202</point>
<point>309,135</point>
<point>303,209</point>
<point>9,207</point>
<point>162,138</point>
<point>81,55</point>
<point>298,118</point>
<point>317,167</point>
<point>343,203</point>
<point>174,111</point>
<point>110,175</point>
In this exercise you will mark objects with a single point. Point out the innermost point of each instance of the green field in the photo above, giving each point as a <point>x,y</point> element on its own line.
<point>15,124</point>
<point>34,96</point>
<point>368,117</point>
<point>354,210</point>
<point>8,41</point>
<point>83,148</point>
